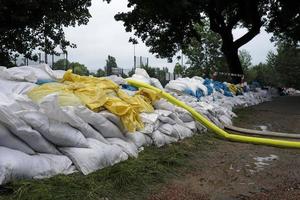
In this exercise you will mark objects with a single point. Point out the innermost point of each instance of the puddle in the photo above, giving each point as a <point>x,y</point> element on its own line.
<point>263,128</point>
<point>262,162</point>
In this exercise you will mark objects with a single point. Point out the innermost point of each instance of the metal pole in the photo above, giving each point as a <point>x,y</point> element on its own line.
<point>134,58</point>
<point>66,60</point>
<point>46,58</point>
<point>181,59</point>
<point>52,60</point>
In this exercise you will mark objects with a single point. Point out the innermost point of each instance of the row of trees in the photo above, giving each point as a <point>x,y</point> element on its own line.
<point>281,69</point>
<point>169,26</point>
<point>81,69</point>
<point>165,26</point>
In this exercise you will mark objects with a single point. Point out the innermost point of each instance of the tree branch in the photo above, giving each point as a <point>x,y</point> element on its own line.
<point>233,21</point>
<point>247,37</point>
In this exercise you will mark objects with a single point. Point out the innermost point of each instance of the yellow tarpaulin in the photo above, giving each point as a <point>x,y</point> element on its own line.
<point>99,93</point>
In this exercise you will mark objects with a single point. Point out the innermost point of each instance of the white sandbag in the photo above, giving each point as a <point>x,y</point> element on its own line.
<point>22,73</point>
<point>142,72</point>
<point>58,74</point>
<point>64,135</point>
<point>59,133</point>
<point>166,120</point>
<point>182,131</point>
<point>156,83</point>
<point>150,118</point>
<point>149,128</point>
<point>225,120</point>
<point>160,139</point>
<point>114,119</point>
<point>177,85</point>
<point>127,146</point>
<point>139,139</point>
<point>98,156</point>
<point>191,125</point>
<point>7,139</point>
<point>185,117</point>
<point>169,130</point>
<point>200,127</point>
<point>162,104</point>
<point>23,131</point>
<point>16,102</point>
<point>140,78</point>
<point>10,87</point>
<point>50,106</point>
<point>117,79</point>
<point>100,123</point>
<point>33,73</point>
<point>18,165</point>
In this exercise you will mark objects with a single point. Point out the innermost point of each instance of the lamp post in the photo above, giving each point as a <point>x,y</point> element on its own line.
<point>134,42</point>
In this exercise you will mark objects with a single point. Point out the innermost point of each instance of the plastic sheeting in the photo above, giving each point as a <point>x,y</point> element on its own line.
<point>96,94</point>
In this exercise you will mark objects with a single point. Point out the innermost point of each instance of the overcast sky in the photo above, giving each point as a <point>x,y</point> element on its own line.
<point>104,36</point>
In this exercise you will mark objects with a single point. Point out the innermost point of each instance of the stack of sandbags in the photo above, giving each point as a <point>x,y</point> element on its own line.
<point>141,75</point>
<point>216,106</point>
<point>87,124</point>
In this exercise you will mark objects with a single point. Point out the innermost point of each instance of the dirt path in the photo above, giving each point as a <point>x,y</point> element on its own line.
<point>246,171</point>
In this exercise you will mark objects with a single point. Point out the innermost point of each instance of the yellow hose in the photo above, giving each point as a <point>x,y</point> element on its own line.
<point>212,126</point>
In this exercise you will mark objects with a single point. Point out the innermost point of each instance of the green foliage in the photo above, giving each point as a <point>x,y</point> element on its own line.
<point>33,24</point>
<point>281,69</point>
<point>245,59</point>
<point>61,64</point>
<point>79,69</point>
<point>76,67</point>
<point>288,65</point>
<point>110,63</point>
<point>204,53</point>
<point>169,26</point>
<point>284,20</point>
<point>100,73</point>
<point>178,69</point>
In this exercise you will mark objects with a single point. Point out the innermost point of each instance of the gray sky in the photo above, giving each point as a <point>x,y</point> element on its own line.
<point>104,36</point>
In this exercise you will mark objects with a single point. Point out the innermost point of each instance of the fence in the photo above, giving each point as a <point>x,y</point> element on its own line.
<point>49,59</point>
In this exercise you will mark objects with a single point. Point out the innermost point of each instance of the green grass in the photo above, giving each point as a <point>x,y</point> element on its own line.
<point>243,114</point>
<point>131,179</point>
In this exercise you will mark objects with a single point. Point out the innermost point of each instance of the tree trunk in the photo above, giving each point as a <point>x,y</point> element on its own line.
<point>230,52</point>
<point>234,64</point>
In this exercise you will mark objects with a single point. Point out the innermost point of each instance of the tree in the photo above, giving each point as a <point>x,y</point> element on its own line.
<point>79,69</point>
<point>206,50</point>
<point>284,20</point>
<point>204,54</point>
<point>100,73</point>
<point>168,26</point>
<point>110,63</point>
<point>287,64</point>
<point>61,64</point>
<point>245,59</point>
<point>178,69</point>
<point>28,25</point>
<point>282,68</point>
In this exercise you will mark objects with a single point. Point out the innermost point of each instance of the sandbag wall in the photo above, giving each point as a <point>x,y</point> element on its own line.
<point>49,127</point>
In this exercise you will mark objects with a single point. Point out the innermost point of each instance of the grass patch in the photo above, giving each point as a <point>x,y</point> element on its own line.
<point>243,114</point>
<point>131,179</point>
